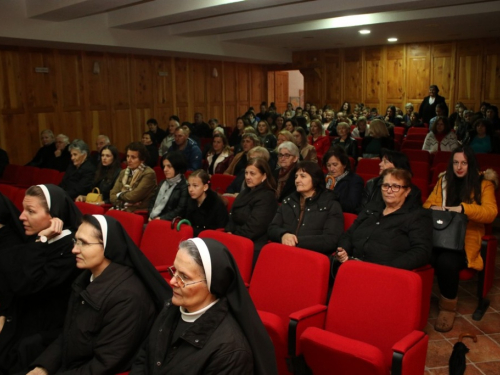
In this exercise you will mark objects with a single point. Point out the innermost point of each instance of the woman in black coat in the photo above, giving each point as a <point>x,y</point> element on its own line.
<point>346,184</point>
<point>392,232</point>
<point>172,195</point>
<point>427,109</point>
<point>288,155</point>
<point>311,217</point>
<point>389,159</point>
<point>79,177</point>
<point>107,173</point>
<point>112,305</point>
<point>205,209</point>
<point>254,208</point>
<point>345,140</point>
<point>36,273</point>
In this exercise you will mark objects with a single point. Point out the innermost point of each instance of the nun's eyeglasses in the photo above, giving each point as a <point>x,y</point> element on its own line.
<point>81,245</point>
<point>174,273</point>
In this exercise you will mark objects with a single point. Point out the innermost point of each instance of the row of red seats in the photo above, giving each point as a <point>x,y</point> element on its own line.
<point>26,176</point>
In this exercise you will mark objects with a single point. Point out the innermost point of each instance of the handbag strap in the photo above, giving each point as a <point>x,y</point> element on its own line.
<point>96,188</point>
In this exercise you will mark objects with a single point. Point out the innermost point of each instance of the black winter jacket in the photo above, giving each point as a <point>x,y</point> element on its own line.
<point>322,223</point>
<point>349,191</point>
<point>212,214</point>
<point>402,239</point>
<point>213,344</point>
<point>106,323</point>
<point>251,213</point>
<point>79,181</point>
<point>350,145</point>
<point>373,193</point>
<point>177,203</point>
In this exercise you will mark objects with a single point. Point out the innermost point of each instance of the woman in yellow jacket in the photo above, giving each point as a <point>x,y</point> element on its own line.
<point>462,188</point>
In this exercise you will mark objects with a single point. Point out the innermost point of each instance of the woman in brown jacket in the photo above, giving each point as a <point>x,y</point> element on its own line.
<point>136,184</point>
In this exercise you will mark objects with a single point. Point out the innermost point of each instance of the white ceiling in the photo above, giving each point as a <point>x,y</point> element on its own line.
<point>264,31</point>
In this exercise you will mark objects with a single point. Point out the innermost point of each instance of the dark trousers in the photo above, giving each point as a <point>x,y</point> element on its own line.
<point>447,265</point>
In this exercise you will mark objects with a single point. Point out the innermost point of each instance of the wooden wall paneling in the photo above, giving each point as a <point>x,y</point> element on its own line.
<point>230,93</point>
<point>200,73</point>
<point>469,73</point>
<point>333,74</point>
<point>353,75</point>
<point>163,90</point>
<point>183,89</point>
<point>142,98</point>
<point>395,63</point>
<point>258,85</point>
<point>492,73</point>
<point>70,81</point>
<point>313,85</point>
<point>41,88</point>
<point>96,81</point>
<point>443,71</point>
<point>418,73</point>
<point>271,87</point>
<point>119,76</point>
<point>101,124</point>
<point>20,138</point>
<point>243,88</point>
<point>373,79</point>
<point>74,124</point>
<point>281,91</point>
<point>12,93</point>
<point>215,103</point>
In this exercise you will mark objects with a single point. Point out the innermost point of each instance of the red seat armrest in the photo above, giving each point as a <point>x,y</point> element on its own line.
<point>312,316</point>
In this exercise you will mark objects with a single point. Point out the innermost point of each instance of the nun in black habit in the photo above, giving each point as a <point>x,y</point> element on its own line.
<point>11,229</point>
<point>210,326</point>
<point>113,303</point>
<point>36,272</point>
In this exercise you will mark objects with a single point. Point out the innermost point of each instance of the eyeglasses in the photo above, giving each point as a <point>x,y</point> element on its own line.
<point>174,273</point>
<point>80,244</point>
<point>395,188</point>
<point>284,156</point>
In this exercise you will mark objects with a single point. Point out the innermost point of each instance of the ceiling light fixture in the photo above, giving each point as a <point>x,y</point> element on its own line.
<point>364,31</point>
<point>392,39</point>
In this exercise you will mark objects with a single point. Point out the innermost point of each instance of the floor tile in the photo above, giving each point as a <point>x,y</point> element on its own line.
<point>484,350</point>
<point>431,332</point>
<point>438,353</point>
<point>467,305</point>
<point>490,323</point>
<point>489,367</point>
<point>462,325</point>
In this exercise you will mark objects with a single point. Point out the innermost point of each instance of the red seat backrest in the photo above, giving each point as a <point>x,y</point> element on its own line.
<point>132,223</point>
<point>420,169</point>
<point>368,166</point>
<point>276,285</point>
<point>25,177</point>
<point>160,242</point>
<point>9,191</point>
<point>413,130</point>
<point>89,209</point>
<point>10,174</point>
<point>241,249</point>
<point>220,182</point>
<point>389,296</point>
<point>418,155</point>
<point>348,220</point>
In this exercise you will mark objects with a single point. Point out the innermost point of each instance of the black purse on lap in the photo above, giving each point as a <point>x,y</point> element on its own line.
<point>449,230</point>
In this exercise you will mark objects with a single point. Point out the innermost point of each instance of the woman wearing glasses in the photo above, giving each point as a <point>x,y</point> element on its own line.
<point>112,304</point>
<point>462,188</point>
<point>310,217</point>
<point>210,326</point>
<point>391,232</point>
<point>36,272</point>
<point>288,155</point>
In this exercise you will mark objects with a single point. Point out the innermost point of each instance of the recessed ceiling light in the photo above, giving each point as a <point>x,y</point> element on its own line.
<point>392,39</point>
<point>364,31</point>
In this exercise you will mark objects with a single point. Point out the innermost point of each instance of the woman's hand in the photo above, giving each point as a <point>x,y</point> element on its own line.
<point>55,229</point>
<point>289,239</point>
<point>38,371</point>
<point>341,255</point>
<point>2,322</point>
<point>437,208</point>
<point>80,198</point>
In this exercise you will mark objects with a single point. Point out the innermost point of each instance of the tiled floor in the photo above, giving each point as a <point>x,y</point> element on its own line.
<point>484,356</point>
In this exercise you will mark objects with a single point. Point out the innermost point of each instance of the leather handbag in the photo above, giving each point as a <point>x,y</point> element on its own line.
<point>449,230</point>
<point>94,197</point>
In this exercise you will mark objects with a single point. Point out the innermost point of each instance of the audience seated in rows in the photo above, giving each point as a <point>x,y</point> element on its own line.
<point>440,137</point>
<point>345,140</point>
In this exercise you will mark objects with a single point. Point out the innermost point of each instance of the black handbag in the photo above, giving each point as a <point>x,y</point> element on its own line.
<point>449,230</point>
